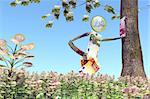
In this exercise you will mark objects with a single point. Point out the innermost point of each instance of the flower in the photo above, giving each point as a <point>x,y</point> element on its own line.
<point>126,90</point>
<point>131,89</point>
<point>56,83</point>
<point>29,46</point>
<point>134,90</point>
<point>18,38</point>
<point>2,43</point>
<point>39,81</point>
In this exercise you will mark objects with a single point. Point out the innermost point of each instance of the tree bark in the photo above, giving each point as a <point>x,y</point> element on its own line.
<point>132,59</point>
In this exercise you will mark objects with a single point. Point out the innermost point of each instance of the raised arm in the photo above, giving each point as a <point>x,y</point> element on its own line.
<point>111,39</point>
<point>77,50</point>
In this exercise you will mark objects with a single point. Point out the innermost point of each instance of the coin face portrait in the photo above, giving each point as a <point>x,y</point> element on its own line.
<point>98,23</point>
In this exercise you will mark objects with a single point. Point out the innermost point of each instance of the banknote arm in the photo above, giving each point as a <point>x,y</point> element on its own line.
<point>76,49</point>
<point>112,39</point>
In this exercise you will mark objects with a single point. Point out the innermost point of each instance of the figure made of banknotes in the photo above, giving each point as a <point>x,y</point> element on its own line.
<point>89,59</point>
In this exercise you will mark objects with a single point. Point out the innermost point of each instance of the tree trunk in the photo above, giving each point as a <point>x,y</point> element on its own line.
<point>132,59</point>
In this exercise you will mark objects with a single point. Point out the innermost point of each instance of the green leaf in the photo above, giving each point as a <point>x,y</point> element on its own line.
<point>2,66</point>
<point>56,16</point>
<point>115,17</point>
<point>88,7</point>
<point>36,1</point>
<point>69,17</point>
<point>25,3</point>
<point>73,3</point>
<point>18,1</point>
<point>49,24</point>
<point>13,4</point>
<point>109,9</point>
<point>44,17</point>
<point>85,18</point>
<point>66,11</point>
<point>65,4</point>
<point>40,96</point>
<point>96,4</point>
<point>88,0</point>
<point>56,11</point>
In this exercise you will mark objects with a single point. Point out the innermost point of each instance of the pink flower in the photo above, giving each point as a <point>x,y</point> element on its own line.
<point>28,46</point>
<point>134,89</point>
<point>39,81</point>
<point>126,90</point>
<point>56,83</point>
<point>18,38</point>
<point>131,90</point>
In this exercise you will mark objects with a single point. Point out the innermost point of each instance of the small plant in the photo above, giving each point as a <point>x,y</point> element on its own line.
<point>13,61</point>
<point>15,57</point>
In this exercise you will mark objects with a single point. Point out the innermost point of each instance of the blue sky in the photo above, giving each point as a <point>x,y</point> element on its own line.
<point>52,51</point>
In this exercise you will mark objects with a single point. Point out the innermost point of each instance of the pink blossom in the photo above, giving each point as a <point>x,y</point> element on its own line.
<point>28,46</point>
<point>18,38</point>
<point>126,90</point>
<point>56,83</point>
